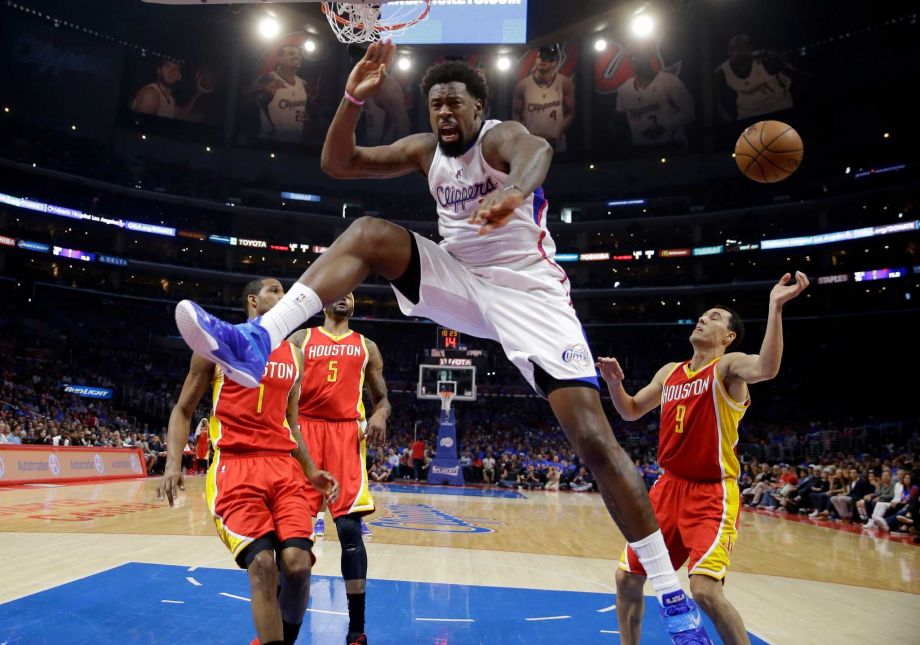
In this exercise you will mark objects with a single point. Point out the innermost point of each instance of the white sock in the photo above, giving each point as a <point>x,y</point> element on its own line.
<point>293,310</point>
<point>653,555</point>
<point>320,515</point>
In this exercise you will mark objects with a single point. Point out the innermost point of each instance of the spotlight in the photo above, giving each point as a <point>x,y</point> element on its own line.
<point>6,109</point>
<point>503,63</point>
<point>73,127</point>
<point>643,25</point>
<point>600,45</point>
<point>309,45</point>
<point>404,63</point>
<point>269,27</point>
<point>887,135</point>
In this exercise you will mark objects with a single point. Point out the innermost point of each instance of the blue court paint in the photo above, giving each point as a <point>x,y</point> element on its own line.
<point>423,489</point>
<point>125,605</point>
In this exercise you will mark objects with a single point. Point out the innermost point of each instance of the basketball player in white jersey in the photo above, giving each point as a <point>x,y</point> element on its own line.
<point>492,276</point>
<point>545,101</point>
<point>656,104</point>
<point>157,98</point>
<point>283,98</point>
<point>752,83</point>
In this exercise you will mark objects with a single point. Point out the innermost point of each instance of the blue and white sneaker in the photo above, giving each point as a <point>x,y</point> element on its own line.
<point>365,529</point>
<point>319,529</point>
<point>240,350</point>
<point>682,618</point>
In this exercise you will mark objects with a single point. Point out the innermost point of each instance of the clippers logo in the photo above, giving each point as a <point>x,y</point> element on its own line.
<point>447,442</point>
<point>135,464</point>
<point>577,354</point>
<point>97,462</point>
<point>457,197</point>
<point>54,465</point>
<point>612,68</point>
<point>2,468</point>
<point>422,517</point>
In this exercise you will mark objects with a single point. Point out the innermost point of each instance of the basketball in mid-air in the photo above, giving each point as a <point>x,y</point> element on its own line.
<point>769,151</point>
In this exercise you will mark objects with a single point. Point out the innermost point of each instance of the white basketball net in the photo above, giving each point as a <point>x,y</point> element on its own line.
<point>361,23</point>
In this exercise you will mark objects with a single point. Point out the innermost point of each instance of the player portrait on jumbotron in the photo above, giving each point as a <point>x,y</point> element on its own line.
<point>655,103</point>
<point>168,91</point>
<point>752,82</point>
<point>544,97</point>
<point>281,101</point>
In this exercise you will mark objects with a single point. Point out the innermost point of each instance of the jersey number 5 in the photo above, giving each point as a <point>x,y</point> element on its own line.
<point>333,375</point>
<point>679,415</point>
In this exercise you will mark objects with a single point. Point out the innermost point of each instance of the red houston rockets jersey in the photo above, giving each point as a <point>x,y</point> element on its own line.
<point>254,419</point>
<point>699,425</point>
<point>333,375</point>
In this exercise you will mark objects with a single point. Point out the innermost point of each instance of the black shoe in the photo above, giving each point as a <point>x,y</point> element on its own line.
<point>356,639</point>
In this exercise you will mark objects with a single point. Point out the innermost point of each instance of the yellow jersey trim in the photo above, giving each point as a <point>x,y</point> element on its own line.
<point>692,373</point>
<point>333,336</point>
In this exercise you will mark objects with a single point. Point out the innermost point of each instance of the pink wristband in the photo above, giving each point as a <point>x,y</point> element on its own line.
<point>353,100</point>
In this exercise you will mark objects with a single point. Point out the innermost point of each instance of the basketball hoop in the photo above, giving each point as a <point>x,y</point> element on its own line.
<point>446,397</point>
<point>361,22</point>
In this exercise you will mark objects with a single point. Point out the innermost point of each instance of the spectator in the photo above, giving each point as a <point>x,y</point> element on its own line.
<point>857,487</point>
<point>552,479</point>
<point>488,469</point>
<point>380,472</point>
<point>583,481</point>
<point>418,459</point>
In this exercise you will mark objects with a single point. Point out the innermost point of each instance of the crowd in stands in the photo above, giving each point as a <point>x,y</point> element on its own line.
<point>846,471</point>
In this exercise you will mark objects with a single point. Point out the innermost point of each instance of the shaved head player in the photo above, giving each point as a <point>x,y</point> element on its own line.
<point>493,276</point>
<point>257,488</point>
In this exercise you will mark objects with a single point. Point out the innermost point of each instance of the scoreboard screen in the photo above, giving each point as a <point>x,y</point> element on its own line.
<point>448,339</point>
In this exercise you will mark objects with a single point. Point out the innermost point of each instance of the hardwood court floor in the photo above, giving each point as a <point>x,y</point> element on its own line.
<point>791,581</point>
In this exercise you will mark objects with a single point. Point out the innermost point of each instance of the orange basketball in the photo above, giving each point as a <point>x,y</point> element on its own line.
<point>769,151</point>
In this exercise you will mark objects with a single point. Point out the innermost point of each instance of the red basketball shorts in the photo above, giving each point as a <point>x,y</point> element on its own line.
<point>699,522</point>
<point>340,448</point>
<point>252,494</point>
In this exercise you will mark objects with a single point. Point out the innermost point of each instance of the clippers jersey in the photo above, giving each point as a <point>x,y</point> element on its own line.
<point>283,117</point>
<point>543,108</point>
<point>760,93</point>
<point>699,425</point>
<point>333,376</point>
<point>254,419</point>
<point>457,185</point>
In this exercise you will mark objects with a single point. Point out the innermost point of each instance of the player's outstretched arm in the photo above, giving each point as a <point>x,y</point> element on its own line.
<point>527,159</point>
<point>377,386</point>
<point>753,368</point>
<point>644,401</point>
<point>320,479</point>
<point>180,420</point>
<point>341,158</point>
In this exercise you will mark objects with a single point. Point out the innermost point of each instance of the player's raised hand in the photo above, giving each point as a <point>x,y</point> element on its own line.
<point>610,370</point>
<point>376,431</point>
<point>326,484</point>
<point>169,487</point>
<point>370,71</point>
<point>783,293</point>
<point>495,210</point>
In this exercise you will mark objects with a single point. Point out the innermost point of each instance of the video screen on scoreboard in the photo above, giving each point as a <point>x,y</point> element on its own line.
<point>462,22</point>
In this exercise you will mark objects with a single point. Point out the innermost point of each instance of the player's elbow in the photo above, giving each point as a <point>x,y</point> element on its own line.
<point>333,168</point>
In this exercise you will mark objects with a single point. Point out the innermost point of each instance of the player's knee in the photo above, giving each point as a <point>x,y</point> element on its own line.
<point>297,565</point>
<point>354,556</point>
<point>263,572</point>
<point>706,592</point>
<point>370,232</point>
<point>629,585</point>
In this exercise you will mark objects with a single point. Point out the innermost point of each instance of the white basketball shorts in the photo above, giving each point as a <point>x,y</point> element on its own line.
<point>528,311</point>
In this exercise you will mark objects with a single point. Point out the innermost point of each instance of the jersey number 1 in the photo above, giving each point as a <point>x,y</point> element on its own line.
<point>681,412</point>
<point>261,394</point>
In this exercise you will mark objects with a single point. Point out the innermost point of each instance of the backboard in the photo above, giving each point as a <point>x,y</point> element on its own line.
<point>433,379</point>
